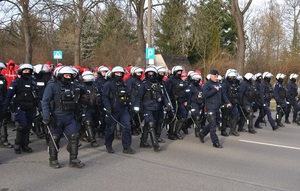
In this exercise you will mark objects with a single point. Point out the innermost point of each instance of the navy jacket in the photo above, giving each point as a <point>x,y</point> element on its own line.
<point>214,99</point>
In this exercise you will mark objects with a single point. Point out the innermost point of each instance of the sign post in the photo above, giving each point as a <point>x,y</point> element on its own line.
<point>57,55</point>
<point>150,55</point>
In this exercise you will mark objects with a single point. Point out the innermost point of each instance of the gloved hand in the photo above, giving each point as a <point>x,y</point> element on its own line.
<point>46,121</point>
<point>107,110</point>
<point>136,109</point>
<point>168,107</point>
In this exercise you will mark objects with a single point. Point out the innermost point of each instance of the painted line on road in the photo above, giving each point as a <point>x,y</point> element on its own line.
<point>269,144</point>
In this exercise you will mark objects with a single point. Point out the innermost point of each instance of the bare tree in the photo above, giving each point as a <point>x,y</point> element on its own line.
<point>25,10</point>
<point>78,10</point>
<point>238,15</point>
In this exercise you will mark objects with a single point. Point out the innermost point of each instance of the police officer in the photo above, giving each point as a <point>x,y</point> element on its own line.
<point>23,94</point>
<point>116,100</point>
<point>133,83</point>
<point>42,74</point>
<point>280,94</point>
<point>58,105</point>
<point>151,99</point>
<point>177,89</point>
<point>266,93</point>
<point>161,77</point>
<point>214,98</point>
<point>196,102</point>
<point>230,88</point>
<point>292,88</point>
<point>4,117</point>
<point>100,81</point>
<point>89,105</point>
<point>246,97</point>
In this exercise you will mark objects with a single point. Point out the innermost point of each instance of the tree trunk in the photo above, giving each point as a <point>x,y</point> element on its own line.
<point>77,40</point>
<point>27,32</point>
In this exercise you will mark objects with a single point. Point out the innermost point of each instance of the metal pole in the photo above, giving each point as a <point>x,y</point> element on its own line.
<point>149,20</point>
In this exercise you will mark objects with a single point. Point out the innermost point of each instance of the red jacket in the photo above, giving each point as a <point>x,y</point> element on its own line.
<point>9,73</point>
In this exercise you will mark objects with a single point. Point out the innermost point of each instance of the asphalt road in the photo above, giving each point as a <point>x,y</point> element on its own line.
<point>266,161</point>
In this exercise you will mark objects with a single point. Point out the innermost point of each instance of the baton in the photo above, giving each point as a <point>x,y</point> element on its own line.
<point>56,148</point>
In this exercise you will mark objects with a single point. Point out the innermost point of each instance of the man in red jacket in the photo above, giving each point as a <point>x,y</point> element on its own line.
<point>9,72</point>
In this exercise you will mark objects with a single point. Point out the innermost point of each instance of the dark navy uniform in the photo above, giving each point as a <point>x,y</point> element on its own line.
<point>230,88</point>
<point>58,105</point>
<point>266,93</point>
<point>4,116</point>
<point>23,95</point>
<point>133,83</point>
<point>247,93</point>
<point>214,99</point>
<point>292,90</point>
<point>280,94</point>
<point>89,106</point>
<point>196,102</point>
<point>100,81</point>
<point>116,101</point>
<point>151,99</point>
<point>177,89</point>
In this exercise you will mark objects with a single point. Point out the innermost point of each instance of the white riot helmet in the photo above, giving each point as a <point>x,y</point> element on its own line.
<point>161,69</point>
<point>220,78</point>
<point>208,77</point>
<point>280,76</point>
<point>232,72</point>
<point>88,76</point>
<point>248,76</point>
<point>102,69</point>
<point>135,70</point>
<point>293,76</point>
<point>107,75</point>
<point>190,73</point>
<point>175,69</point>
<point>2,65</point>
<point>65,70</point>
<point>267,75</point>
<point>118,69</point>
<point>41,68</point>
<point>196,76</point>
<point>23,67</point>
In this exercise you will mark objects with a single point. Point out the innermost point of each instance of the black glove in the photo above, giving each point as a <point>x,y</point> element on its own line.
<point>168,107</point>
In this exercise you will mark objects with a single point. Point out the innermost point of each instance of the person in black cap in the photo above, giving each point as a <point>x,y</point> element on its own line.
<point>214,98</point>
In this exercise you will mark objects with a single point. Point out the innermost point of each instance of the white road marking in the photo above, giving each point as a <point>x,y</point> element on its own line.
<point>269,144</point>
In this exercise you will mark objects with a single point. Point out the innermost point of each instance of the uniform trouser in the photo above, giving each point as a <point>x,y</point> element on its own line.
<point>246,116</point>
<point>88,121</point>
<point>211,127</point>
<point>152,124</point>
<point>294,104</point>
<point>265,111</point>
<point>281,110</point>
<point>23,124</point>
<point>123,118</point>
<point>66,125</point>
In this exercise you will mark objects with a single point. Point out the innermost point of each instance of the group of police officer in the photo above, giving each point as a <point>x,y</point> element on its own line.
<point>64,103</point>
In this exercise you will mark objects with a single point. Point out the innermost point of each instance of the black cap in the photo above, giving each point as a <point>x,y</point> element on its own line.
<point>214,72</point>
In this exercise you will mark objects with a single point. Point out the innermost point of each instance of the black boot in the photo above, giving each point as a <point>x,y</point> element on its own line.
<point>278,120</point>
<point>178,127</point>
<point>144,137</point>
<point>53,150</point>
<point>233,126</point>
<point>153,137</point>
<point>158,129</point>
<point>90,133</point>
<point>25,147</point>
<point>73,150</point>
<point>171,135</point>
<point>3,136</point>
<point>19,141</point>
